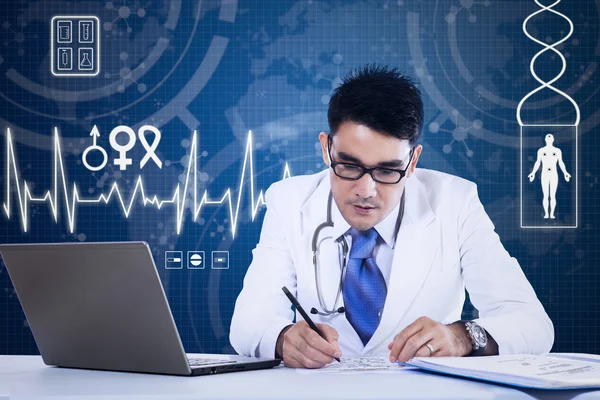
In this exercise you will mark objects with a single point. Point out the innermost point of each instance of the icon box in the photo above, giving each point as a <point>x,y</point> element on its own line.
<point>86,58</point>
<point>86,31</point>
<point>220,259</point>
<point>173,259</point>
<point>195,260</point>
<point>64,31</point>
<point>84,45</point>
<point>64,59</point>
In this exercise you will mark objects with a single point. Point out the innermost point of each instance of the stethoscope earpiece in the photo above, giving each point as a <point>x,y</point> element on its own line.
<point>340,310</point>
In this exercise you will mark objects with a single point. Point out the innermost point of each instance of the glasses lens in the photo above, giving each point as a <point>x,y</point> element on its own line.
<point>348,171</point>
<point>387,175</point>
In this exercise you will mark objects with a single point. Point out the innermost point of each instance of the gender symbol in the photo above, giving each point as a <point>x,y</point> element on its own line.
<point>548,156</point>
<point>122,161</point>
<point>95,134</point>
<point>149,149</point>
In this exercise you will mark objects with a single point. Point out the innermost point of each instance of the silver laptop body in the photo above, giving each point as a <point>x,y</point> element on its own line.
<point>102,306</point>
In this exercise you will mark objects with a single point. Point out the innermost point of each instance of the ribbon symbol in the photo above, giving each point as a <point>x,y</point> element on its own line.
<point>149,148</point>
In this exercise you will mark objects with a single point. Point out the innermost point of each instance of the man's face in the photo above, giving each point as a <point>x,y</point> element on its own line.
<point>364,202</point>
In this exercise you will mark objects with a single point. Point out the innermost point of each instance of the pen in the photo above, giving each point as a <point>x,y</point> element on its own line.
<point>304,314</point>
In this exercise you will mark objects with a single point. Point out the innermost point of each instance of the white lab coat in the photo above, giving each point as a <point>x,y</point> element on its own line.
<point>446,242</point>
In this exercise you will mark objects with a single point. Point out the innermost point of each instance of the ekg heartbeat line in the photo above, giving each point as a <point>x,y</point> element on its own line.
<point>72,198</point>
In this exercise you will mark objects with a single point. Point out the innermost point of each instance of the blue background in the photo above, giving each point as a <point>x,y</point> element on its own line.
<point>225,67</point>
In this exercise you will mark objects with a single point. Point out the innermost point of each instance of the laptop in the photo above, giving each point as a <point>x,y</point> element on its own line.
<point>102,306</point>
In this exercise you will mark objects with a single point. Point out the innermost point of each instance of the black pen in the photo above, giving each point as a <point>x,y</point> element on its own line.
<point>304,315</point>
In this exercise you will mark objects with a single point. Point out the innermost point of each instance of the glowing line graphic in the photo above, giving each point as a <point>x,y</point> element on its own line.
<point>544,84</point>
<point>72,198</point>
<point>547,47</point>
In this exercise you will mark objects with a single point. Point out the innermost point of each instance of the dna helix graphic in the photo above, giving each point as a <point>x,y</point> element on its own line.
<point>547,47</point>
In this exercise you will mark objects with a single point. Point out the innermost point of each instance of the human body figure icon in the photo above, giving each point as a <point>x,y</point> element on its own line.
<point>549,156</point>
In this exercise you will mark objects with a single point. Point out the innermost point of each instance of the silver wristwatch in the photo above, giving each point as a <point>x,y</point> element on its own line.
<point>478,337</point>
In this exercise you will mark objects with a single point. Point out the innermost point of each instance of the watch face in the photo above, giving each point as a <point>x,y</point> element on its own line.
<point>479,335</point>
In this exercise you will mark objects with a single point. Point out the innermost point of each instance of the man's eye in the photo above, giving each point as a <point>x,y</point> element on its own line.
<point>385,172</point>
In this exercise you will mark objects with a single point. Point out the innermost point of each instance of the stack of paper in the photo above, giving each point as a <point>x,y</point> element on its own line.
<point>549,371</point>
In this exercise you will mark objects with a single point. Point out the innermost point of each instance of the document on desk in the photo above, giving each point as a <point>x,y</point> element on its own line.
<point>549,371</point>
<point>357,365</point>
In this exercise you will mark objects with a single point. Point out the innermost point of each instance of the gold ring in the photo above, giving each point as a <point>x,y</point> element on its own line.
<point>431,349</point>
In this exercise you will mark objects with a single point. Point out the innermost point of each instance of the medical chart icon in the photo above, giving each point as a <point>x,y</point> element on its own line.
<point>75,45</point>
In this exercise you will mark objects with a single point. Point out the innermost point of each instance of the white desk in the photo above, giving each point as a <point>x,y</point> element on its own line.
<point>26,377</point>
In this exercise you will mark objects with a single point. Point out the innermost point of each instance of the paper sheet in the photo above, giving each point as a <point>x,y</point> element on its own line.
<point>526,366</point>
<point>357,365</point>
<point>550,371</point>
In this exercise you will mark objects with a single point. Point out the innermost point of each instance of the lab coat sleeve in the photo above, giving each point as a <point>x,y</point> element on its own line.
<point>509,309</point>
<point>262,310</point>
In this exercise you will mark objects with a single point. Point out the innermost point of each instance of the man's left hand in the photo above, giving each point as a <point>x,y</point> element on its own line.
<point>445,340</point>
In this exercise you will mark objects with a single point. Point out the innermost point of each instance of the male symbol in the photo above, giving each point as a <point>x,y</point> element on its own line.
<point>95,134</point>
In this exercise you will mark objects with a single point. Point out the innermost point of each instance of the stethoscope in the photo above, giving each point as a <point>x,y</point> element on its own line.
<point>342,259</point>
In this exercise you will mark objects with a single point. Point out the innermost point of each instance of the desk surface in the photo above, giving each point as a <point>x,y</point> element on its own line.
<point>27,377</point>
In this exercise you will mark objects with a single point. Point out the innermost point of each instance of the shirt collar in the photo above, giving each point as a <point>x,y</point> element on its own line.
<point>386,228</point>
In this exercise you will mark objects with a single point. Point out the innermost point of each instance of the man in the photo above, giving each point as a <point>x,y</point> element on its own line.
<point>409,240</point>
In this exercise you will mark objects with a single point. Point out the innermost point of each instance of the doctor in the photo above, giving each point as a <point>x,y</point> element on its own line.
<point>395,247</point>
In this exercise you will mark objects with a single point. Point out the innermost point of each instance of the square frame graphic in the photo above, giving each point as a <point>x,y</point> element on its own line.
<point>91,32</point>
<point>202,264</point>
<point>97,45</point>
<point>174,255</point>
<point>58,56</point>
<point>574,225</point>
<point>60,23</point>
<point>91,56</point>
<point>218,253</point>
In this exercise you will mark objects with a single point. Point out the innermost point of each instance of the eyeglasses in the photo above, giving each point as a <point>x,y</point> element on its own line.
<point>353,172</point>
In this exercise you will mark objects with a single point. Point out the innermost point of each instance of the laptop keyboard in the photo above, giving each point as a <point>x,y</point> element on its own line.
<point>195,362</point>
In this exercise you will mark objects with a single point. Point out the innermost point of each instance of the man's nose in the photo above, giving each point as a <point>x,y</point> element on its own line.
<point>365,187</point>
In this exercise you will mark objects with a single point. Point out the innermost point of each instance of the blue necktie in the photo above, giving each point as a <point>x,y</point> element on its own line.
<point>364,286</point>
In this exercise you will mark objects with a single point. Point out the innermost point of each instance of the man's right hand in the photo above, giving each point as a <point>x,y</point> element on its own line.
<point>301,347</point>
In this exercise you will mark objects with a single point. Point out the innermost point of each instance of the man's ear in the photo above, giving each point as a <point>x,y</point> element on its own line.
<point>415,159</point>
<point>324,139</point>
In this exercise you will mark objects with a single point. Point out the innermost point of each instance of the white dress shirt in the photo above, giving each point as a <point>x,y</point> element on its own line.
<point>384,247</point>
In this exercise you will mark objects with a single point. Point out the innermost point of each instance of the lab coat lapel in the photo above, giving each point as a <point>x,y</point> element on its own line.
<point>414,250</point>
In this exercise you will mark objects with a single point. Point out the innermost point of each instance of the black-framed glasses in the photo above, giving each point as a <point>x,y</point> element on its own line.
<point>353,172</point>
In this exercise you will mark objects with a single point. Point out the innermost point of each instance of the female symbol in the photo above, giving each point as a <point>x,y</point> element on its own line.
<point>95,135</point>
<point>122,161</point>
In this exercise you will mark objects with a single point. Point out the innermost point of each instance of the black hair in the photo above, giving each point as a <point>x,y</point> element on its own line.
<point>382,99</point>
